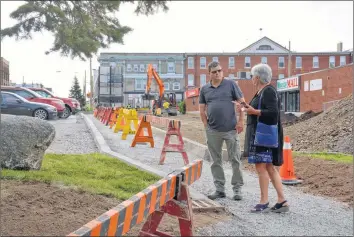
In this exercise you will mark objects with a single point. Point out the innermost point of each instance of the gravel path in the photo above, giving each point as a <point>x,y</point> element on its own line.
<point>72,137</point>
<point>309,215</point>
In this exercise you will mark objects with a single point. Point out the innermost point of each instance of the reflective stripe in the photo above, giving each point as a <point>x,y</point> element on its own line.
<point>287,146</point>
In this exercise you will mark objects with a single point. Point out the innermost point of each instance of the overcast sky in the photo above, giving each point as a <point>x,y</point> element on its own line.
<point>213,26</point>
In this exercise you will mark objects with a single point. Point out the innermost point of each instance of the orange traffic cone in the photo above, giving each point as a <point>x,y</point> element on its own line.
<point>286,171</point>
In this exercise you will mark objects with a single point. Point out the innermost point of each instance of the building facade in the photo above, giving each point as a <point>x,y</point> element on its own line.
<point>237,66</point>
<point>130,73</point>
<point>319,90</point>
<point>4,72</point>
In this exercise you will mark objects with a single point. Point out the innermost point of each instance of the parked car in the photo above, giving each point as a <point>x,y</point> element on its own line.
<point>72,105</point>
<point>14,104</point>
<point>35,97</point>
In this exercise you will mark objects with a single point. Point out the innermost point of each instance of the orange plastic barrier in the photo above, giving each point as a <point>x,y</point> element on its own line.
<point>140,136</point>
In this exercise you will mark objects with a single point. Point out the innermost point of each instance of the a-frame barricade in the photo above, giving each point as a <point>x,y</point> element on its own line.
<point>140,135</point>
<point>120,121</point>
<point>174,128</point>
<point>181,207</point>
<point>169,195</point>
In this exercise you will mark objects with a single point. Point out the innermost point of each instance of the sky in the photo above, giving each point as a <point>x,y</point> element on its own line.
<point>210,26</point>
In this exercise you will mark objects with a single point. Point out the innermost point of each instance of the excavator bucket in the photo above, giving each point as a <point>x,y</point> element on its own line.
<point>148,97</point>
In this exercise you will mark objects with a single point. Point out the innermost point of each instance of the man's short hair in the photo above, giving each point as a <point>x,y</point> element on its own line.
<point>212,65</point>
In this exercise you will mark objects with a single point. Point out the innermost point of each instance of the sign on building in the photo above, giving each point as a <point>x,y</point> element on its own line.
<point>316,84</point>
<point>291,83</point>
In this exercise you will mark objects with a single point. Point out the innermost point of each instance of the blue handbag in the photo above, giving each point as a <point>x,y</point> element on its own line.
<point>266,135</point>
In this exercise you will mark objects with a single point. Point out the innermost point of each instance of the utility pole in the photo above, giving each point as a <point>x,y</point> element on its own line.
<point>110,86</point>
<point>289,61</point>
<point>91,85</point>
<point>84,89</point>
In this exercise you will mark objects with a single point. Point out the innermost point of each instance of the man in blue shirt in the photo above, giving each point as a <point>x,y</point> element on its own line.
<point>218,114</point>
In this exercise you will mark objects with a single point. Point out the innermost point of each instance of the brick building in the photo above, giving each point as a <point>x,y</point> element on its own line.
<point>237,66</point>
<point>320,89</point>
<point>4,72</point>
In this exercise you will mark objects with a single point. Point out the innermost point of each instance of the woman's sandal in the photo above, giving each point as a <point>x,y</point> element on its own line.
<point>280,208</point>
<point>260,208</point>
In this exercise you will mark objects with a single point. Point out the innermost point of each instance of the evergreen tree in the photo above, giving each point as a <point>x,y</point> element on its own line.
<point>80,28</point>
<point>75,92</point>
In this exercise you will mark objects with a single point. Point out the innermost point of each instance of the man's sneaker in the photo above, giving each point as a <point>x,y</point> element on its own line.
<point>216,195</point>
<point>237,195</point>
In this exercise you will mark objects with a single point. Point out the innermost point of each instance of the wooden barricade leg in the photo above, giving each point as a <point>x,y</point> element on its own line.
<point>108,116</point>
<point>181,208</point>
<point>102,114</point>
<point>139,135</point>
<point>104,118</point>
<point>174,128</point>
<point>114,118</point>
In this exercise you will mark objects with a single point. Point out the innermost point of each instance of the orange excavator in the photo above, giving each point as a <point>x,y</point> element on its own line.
<point>166,103</point>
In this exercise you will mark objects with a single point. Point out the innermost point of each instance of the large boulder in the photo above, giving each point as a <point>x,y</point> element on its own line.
<point>23,141</point>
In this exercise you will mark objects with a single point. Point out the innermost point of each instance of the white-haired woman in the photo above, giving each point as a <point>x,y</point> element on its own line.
<point>265,108</point>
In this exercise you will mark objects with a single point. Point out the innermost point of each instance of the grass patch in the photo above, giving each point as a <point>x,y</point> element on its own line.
<point>95,173</point>
<point>339,157</point>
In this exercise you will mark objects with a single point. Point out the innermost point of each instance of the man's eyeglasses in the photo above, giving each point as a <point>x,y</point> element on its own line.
<point>216,71</point>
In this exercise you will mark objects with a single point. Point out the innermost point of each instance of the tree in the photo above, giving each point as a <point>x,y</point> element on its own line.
<point>80,28</point>
<point>75,92</point>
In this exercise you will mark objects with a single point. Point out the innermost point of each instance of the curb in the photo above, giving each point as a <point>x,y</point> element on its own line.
<point>105,149</point>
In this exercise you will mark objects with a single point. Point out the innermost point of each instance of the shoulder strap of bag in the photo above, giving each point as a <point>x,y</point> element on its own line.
<point>260,99</point>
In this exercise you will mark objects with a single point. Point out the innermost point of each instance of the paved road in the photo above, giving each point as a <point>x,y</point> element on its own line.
<point>310,215</point>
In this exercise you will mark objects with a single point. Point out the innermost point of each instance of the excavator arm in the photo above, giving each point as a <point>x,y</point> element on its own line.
<point>151,73</point>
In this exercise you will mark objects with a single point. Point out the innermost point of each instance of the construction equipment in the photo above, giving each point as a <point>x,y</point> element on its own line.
<point>158,107</point>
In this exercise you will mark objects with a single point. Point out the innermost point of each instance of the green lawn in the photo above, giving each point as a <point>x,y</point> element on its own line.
<point>340,157</point>
<point>96,173</point>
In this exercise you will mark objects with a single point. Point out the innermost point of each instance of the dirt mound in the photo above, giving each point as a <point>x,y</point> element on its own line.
<point>291,119</point>
<point>330,131</point>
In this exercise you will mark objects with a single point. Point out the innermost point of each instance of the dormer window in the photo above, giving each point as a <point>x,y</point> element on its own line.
<point>265,47</point>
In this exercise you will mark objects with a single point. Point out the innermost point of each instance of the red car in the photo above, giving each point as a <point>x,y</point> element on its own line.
<point>72,105</point>
<point>35,97</point>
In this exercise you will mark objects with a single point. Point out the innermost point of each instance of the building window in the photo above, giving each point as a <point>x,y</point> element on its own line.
<point>281,76</point>
<point>140,84</point>
<point>315,63</point>
<point>247,62</point>
<point>154,66</point>
<point>281,62</point>
<point>231,62</point>
<point>244,75</point>
<point>202,79</point>
<point>136,68</point>
<point>129,67</point>
<point>231,76</point>
<point>298,62</point>
<point>264,47</point>
<point>167,86</point>
<point>142,68</point>
<point>264,60</point>
<point>215,59</point>
<point>203,62</point>
<point>332,61</point>
<point>176,86</point>
<point>171,67</point>
<point>190,80</point>
<point>342,61</point>
<point>190,62</point>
